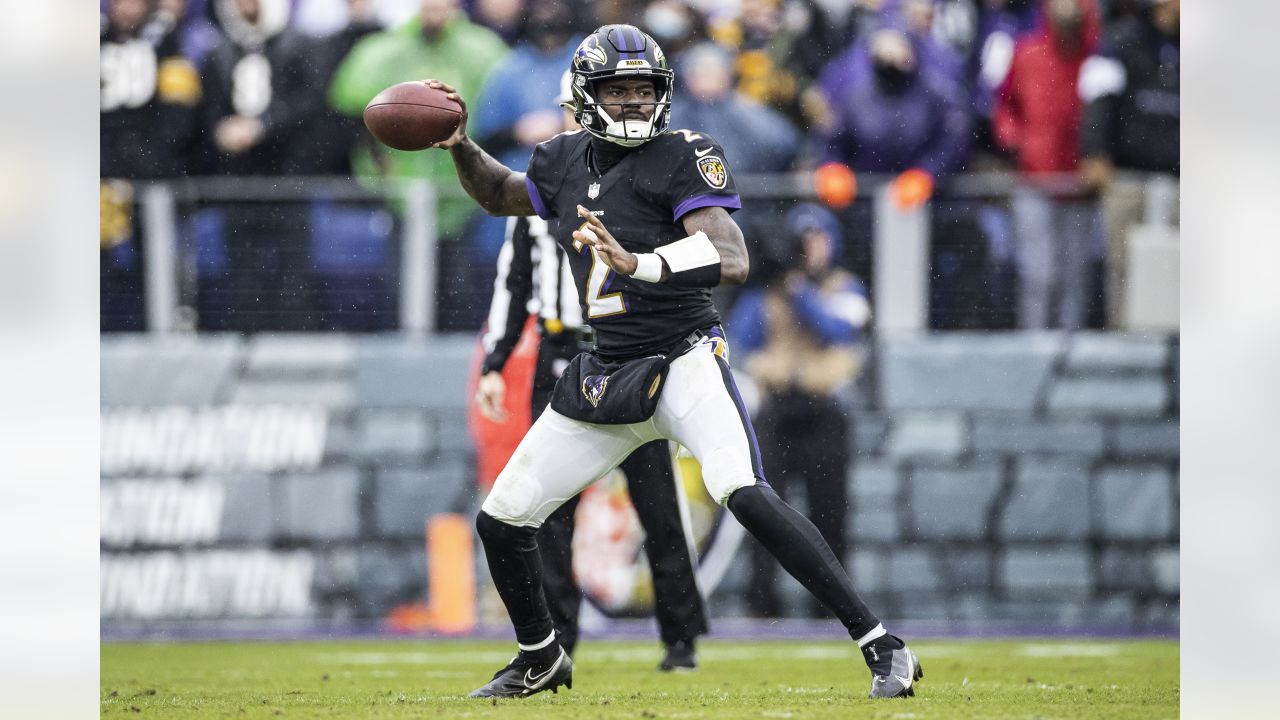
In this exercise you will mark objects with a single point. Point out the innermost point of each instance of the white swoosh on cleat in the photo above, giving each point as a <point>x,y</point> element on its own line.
<point>531,681</point>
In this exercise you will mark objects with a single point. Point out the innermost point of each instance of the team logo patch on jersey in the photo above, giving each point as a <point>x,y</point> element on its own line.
<point>593,387</point>
<point>713,171</point>
<point>593,191</point>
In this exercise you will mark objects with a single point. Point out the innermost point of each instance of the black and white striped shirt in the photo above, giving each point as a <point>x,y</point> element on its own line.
<point>534,278</point>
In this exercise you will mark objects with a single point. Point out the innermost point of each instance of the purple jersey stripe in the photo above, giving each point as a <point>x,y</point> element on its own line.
<point>728,202</point>
<point>538,206</point>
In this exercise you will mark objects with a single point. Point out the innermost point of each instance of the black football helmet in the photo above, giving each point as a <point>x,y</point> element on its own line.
<point>616,51</point>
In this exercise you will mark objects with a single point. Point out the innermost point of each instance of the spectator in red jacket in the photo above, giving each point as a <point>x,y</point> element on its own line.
<point>1037,118</point>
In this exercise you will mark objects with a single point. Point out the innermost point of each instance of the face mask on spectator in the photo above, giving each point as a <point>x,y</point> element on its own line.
<point>892,79</point>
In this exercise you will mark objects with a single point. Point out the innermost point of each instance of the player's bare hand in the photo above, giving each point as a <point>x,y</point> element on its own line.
<point>490,392</point>
<point>594,234</point>
<point>459,135</point>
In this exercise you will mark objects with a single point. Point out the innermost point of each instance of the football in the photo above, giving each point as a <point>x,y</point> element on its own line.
<point>412,116</point>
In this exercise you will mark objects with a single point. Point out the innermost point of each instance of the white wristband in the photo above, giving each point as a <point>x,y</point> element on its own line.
<point>648,267</point>
<point>690,253</point>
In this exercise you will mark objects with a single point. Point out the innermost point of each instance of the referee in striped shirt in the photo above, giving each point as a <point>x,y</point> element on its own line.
<point>534,279</point>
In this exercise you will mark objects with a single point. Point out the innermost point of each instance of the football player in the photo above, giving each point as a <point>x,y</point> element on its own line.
<point>643,214</point>
<point>534,277</point>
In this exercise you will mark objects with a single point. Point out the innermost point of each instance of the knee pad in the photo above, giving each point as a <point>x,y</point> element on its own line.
<point>724,471</point>
<point>515,498</point>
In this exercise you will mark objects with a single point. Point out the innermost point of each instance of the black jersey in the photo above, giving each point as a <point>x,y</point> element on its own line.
<point>640,199</point>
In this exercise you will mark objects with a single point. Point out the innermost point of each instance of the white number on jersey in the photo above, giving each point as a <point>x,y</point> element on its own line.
<point>128,75</point>
<point>598,305</point>
<point>689,136</point>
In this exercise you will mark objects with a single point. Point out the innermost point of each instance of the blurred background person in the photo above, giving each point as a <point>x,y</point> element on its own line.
<point>757,138</point>
<point>439,42</point>
<point>333,136</point>
<point>148,91</point>
<point>191,23</point>
<point>799,336</point>
<point>1131,123</point>
<point>1000,24</point>
<point>1037,118</point>
<point>259,101</point>
<point>780,47</point>
<point>516,110</point>
<point>894,111</point>
<point>503,17</point>
<point>675,24</point>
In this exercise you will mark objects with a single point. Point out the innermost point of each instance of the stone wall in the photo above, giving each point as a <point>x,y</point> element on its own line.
<point>998,477</point>
<point>1019,477</point>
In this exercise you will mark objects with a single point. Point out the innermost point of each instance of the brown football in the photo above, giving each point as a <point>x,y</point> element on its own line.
<point>412,116</point>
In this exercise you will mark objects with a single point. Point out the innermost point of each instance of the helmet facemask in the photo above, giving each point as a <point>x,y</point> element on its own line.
<point>593,114</point>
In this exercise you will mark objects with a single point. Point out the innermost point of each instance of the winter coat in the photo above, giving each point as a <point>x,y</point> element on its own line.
<point>1038,110</point>
<point>462,55</point>
<point>146,105</point>
<point>1131,91</point>
<point>925,126</point>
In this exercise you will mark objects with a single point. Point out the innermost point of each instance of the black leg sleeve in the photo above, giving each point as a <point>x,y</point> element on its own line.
<point>651,483</point>
<point>516,567</point>
<point>775,446</point>
<point>799,547</point>
<point>564,597</point>
<point>826,467</point>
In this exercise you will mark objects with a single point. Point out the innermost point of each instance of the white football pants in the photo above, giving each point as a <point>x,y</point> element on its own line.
<point>699,408</point>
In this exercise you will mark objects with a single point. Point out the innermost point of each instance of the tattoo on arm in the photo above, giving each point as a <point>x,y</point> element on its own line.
<point>726,236</point>
<point>497,188</point>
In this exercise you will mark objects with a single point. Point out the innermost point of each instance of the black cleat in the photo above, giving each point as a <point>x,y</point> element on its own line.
<point>894,668</point>
<point>523,677</point>
<point>680,657</point>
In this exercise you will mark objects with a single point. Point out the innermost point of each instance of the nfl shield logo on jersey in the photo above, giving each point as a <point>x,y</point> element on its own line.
<point>593,388</point>
<point>593,192</point>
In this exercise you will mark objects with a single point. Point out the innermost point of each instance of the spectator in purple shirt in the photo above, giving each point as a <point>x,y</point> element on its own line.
<point>892,110</point>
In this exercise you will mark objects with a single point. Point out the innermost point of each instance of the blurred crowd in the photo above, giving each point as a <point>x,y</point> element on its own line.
<point>1069,94</point>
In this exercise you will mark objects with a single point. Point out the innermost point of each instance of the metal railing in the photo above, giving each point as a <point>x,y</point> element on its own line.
<point>900,250</point>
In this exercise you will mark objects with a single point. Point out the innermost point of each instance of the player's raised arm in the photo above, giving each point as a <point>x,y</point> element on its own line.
<point>497,188</point>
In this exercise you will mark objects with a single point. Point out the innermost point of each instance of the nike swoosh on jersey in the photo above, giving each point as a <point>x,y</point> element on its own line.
<point>700,153</point>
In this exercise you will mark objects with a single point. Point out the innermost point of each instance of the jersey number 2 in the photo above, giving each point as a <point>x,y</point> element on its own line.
<point>598,305</point>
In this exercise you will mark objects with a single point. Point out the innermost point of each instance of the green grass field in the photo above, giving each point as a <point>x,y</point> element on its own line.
<point>417,679</point>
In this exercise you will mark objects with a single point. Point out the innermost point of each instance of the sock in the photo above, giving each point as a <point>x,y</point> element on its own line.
<point>799,548</point>
<point>876,633</point>
<point>543,653</point>
<point>516,567</point>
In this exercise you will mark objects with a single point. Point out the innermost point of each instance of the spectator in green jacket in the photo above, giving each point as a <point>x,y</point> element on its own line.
<point>439,43</point>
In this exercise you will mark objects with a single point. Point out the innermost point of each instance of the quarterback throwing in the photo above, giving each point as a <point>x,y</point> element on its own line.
<point>643,213</point>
